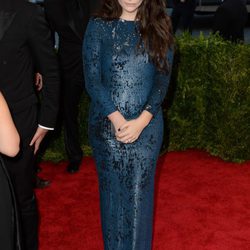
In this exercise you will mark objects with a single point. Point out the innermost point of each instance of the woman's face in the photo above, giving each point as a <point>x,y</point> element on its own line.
<point>130,7</point>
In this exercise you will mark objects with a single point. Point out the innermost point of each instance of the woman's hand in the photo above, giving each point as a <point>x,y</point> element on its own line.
<point>131,130</point>
<point>117,120</point>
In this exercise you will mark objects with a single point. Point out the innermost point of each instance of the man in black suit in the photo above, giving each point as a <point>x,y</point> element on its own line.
<point>25,44</point>
<point>230,20</point>
<point>183,14</point>
<point>69,19</point>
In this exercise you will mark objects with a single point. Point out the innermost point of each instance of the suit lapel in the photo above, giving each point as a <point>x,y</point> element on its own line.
<point>6,19</point>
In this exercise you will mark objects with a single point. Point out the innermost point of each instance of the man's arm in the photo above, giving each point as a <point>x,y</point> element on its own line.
<point>39,40</point>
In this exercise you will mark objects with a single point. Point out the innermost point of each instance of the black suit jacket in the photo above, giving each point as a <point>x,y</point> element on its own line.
<point>230,20</point>
<point>69,18</point>
<point>24,44</point>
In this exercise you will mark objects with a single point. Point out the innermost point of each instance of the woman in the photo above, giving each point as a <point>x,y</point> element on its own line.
<point>9,145</point>
<point>127,75</point>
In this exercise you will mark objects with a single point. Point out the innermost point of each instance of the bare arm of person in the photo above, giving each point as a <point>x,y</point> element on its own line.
<point>9,138</point>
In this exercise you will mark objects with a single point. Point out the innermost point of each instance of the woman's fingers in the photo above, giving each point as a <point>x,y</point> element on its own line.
<point>128,132</point>
<point>128,139</point>
<point>122,134</point>
<point>125,138</point>
<point>124,126</point>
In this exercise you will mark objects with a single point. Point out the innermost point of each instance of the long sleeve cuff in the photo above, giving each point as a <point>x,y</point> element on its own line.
<point>45,127</point>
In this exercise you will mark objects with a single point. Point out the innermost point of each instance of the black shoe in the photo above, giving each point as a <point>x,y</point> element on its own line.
<point>73,167</point>
<point>41,183</point>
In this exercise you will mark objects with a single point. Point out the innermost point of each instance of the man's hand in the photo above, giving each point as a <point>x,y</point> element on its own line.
<point>37,138</point>
<point>38,81</point>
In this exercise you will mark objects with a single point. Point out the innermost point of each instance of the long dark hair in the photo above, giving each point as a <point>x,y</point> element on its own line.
<point>154,26</point>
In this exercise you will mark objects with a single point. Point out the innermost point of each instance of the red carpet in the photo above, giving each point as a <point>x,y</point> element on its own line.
<point>202,203</point>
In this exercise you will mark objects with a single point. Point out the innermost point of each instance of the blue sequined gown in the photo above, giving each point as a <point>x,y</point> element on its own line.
<point>120,77</point>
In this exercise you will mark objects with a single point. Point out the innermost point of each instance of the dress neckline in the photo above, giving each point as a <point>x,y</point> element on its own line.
<point>127,21</point>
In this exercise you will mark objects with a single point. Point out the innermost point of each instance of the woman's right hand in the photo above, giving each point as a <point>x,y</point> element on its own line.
<point>117,120</point>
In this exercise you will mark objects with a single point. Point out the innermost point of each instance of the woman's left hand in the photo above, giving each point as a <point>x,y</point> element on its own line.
<point>130,131</point>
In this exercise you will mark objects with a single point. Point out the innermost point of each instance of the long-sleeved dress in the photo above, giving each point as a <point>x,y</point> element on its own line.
<point>120,76</point>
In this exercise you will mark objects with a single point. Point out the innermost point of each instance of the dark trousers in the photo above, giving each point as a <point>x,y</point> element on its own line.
<point>73,85</point>
<point>182,16</point>
<point>21,171</point>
